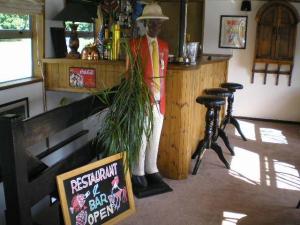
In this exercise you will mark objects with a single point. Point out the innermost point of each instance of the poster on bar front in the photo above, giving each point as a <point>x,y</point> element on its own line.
<point>81,77</point>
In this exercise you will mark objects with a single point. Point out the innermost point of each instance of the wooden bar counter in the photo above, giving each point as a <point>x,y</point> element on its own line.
<point>184,120</point>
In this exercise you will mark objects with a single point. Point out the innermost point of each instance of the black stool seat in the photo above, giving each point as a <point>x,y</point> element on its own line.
<point>210,100</point>
<point>232,86</point>
<point>222,92</point>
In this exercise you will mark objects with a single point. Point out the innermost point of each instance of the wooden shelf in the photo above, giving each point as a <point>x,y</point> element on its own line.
<point>72,61</point>
<point>274,61</point>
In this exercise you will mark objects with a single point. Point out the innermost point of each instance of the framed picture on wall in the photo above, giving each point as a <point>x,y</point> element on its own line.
<point>19,107</point>
<point>233,32</point>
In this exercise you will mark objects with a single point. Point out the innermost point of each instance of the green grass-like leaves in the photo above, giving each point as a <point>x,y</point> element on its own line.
<point>130,114</point>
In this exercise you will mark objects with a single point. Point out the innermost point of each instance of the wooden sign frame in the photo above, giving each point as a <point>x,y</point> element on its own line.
<point>62,192</point>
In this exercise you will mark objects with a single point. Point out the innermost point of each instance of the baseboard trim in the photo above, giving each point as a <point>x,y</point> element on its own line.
<point>268,120</point>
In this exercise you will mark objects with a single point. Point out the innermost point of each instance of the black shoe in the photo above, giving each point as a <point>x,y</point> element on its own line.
<point>139,181</point>
<point>154,178</point>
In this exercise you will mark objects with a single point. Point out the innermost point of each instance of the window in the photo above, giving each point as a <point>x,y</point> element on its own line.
<point>16,46</point>
<point>85,34</point>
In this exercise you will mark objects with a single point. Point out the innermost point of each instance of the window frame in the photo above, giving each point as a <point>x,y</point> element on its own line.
<point>15,34</point>
<point>21,34</point>
<point>80,34</point>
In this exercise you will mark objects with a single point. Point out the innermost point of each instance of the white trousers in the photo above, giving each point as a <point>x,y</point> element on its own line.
<point>147,161</point>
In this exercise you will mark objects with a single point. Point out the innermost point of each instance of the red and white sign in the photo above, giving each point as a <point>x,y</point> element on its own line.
<point>82,77</point>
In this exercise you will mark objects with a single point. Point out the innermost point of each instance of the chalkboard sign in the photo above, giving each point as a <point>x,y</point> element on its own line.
<point>98,193</point>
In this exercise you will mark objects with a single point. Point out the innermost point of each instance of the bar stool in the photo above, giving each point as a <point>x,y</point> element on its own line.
<point>218,132</point>
<point>232,87</point>
<point>210,102</point>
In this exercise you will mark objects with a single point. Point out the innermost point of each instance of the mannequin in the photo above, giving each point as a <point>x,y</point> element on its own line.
<point>154,56</point>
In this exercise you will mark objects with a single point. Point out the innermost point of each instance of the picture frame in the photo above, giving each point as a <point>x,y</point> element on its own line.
<point>19,107</point>
<point>97,193</point>
<point>233,32</point>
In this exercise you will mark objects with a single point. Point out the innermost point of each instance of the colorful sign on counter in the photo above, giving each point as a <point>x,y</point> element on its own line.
<point>82,77</point>
<point>98,193</point>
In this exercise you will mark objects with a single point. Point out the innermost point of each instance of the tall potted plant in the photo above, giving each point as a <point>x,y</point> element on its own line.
<point>130,113</point>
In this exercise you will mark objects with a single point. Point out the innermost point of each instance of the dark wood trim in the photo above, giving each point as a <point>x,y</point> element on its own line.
<point>19,82</point>
<point>46,182</point>
<point>272,71</point>
<point>16,101</point>
<point>268,120</point>
<point>57,119</point>
<point>61,144</point>
<point>284,3</point>
<point>26,179</point>
<point>14,172</point>
<point>182,26</point>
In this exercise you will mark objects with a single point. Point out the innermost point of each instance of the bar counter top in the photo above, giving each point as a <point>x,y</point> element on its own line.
<point>203,59</point>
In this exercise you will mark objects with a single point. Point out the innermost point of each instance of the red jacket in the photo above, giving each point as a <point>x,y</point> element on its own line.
<point>140,46</point>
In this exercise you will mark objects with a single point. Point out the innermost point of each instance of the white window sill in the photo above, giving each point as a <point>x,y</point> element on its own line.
<point>19,82</point>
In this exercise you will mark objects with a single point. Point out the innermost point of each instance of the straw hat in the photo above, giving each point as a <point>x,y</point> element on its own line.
<point>152,11</point>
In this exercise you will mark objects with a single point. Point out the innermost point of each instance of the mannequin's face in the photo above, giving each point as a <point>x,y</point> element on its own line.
<point>153,27</point>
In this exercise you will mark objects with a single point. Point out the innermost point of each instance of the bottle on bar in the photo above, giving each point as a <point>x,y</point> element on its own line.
<point>106,41</point>
<point>116,41</point>
<point>109,50</point>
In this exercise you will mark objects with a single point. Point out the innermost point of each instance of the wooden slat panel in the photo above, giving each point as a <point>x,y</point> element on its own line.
<point>58,119</point>
<point>108,73</point>
<point>46,182</point>
<point>13,164</point>
<point>185,119</point>
<point>61,144</point>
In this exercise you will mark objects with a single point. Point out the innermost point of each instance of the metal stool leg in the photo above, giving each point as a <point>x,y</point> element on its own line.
<point>219,152</point>
<point>218,132</point>
<point>198,150</point>
<point>224,122</point>
<point>235,123</point>
<point>199,158</point>
<point>206,142</point>
<point>224,137</point>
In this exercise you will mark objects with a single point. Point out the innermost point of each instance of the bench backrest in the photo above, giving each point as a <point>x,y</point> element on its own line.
<point>22,187</point>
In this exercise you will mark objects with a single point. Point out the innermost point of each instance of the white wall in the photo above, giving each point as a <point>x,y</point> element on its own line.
<point>255,100</point>
<point>32,91</point>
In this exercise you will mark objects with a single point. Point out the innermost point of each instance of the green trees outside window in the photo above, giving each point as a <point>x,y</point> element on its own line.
<point>14,22</point>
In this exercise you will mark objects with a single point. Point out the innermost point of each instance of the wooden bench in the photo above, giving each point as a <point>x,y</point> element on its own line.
<point>26,179</point>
